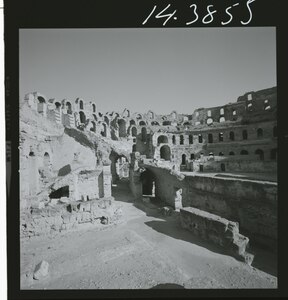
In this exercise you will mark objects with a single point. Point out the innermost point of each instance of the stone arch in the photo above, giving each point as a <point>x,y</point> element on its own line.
<point>173,140</point>
<point>138,116</point>
<point>183,159</point>
<point>221,119</point>
<point>210,138</point>
<point>82,117</point>
<point>142,123</point>
<point>244,152</point>
<point>190,139</point>
<point>81,104</point>
<point>93,107</point>
<point>132,122</point>
<point>244,134</point>
<point>95,117</point>
<point>57,105</point>
<point>41,105</point>
<point>46,160</point>
<point>104,130</point>
<point>181,139</point>
<point>260,152</point>
<point>221,137</point>
<point>155,123</point>
<point>134,148</point>
<point>93,128</point>
<point>151,114</point>
<point>134,131</point>
<point>122,127</point>
<point>259,133</point>
<point>162,139</point>
<point>106,120</point>
<point>69,107</point>
<point>200,138</point>
<point>165,152</point>
<point>166,123</point>
<point>231,153</point>
<point>231,136</point>
<point>144,134</point>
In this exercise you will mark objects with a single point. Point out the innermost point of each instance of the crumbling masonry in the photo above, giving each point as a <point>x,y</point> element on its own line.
<point>70,154</point>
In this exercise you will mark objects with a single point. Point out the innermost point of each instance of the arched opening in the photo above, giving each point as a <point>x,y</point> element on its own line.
<point>190,139</point>
<point>210,138</point>
<point>142,123</point>
<point>151,115</point>
<point>57,105</point>
<point>275,131</point>
<point>221,137</point>
<point>221,153</point>
<point>155,123</point>
<point>132,122</point>
<point>245,134</point>
<point>183,161</point>
<point>231,135</point>
<point>144,134</point>
<point>259,133</point>
<point>122,128</point>
<point>222,166</point>
<point>82,117</point>
<point>93,128</point>
<point>173,140</point>
<point>273,154</point>
<point>134,148</point>
<point>139,116</point>
<point>165,152</point>
<point>244,152</point>
<point>95,117</point>
<point>69,108</point>
<point>221,120</point>
<point>41,99</point>
<point>192,156</point>
<point>231,153</point>
<point>209,113</point>
<point>221,111</point>
<point>181,139</point>
<point>134,131</point>
<point>106,120</point>
<point>93,107</point>
<point>46,160</point>
<point>260,153</point>
<point>166,123</point>
<point>148,183</point>
<point>200,138</point>
<point>162,139</point>
<point>104,130</point>
<point>81,105</point>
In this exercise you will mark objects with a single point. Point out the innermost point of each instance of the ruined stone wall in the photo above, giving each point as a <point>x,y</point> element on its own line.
<point>253,204</point>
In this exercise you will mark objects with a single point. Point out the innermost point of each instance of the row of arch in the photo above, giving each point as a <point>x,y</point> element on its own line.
<point>164,139</point>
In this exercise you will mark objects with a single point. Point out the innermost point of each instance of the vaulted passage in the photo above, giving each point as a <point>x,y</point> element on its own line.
<point>165,152</point>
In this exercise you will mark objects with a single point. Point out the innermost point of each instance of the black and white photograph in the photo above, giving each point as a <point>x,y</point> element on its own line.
<point>147,157</point>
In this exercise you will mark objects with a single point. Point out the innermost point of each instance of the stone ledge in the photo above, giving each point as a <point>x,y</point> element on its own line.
<point>218,230</point>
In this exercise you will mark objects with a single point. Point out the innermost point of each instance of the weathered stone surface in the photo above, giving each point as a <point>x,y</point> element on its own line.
<point>41,270</point>
<point>217,230</point>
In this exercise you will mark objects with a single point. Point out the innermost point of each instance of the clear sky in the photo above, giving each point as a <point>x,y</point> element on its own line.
<point>161,69</point>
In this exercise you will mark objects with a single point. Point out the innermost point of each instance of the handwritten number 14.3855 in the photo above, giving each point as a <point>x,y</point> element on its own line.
<point>207,18</point>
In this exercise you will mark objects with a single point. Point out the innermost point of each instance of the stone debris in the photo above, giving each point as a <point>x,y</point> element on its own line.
<point>41,270</point>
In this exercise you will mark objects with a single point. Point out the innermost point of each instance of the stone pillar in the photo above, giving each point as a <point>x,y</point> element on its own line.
<point>33,178</point>
<point>107,179</point>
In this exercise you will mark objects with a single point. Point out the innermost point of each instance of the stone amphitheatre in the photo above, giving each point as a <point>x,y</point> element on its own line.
<point>137,200</point>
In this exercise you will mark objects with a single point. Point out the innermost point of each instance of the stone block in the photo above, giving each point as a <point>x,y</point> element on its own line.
<point>41,270</point>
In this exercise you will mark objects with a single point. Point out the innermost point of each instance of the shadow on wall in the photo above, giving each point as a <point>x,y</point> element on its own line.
<point>263,260</point>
